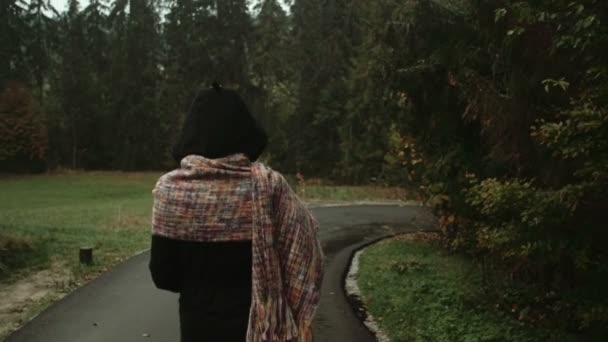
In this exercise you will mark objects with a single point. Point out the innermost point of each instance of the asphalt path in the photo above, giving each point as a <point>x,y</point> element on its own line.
<point>124,306</point>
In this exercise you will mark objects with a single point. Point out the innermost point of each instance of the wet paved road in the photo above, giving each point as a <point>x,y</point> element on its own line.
<point>124,306</point>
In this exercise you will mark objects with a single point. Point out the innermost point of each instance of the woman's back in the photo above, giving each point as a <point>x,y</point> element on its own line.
<point>230,235</point>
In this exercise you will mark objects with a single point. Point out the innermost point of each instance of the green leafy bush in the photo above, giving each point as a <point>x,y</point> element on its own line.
<point>506,102</point>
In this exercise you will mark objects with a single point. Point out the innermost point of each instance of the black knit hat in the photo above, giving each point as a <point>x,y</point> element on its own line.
<point>218,125</point>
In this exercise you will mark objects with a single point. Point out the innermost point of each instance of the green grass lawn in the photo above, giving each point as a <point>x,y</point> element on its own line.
<point>419,293</point>
<point>45,219</point>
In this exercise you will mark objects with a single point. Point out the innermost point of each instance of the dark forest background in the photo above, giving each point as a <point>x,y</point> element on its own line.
<point>495,111</point>
<point>106,85</point>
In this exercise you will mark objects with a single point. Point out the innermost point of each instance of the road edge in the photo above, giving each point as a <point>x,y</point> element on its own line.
<point>350,286</point>
<point>351,289</point>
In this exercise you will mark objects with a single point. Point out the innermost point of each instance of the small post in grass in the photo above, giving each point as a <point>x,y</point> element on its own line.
<point>86,255</point>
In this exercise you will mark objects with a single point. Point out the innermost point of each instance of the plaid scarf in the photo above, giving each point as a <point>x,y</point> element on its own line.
<point>232,199</point>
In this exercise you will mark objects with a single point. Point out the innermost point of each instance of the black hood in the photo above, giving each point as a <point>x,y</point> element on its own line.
<point>218,125</point>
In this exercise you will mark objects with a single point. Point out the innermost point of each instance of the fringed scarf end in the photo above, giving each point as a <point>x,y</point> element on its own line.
<point>277,322</point>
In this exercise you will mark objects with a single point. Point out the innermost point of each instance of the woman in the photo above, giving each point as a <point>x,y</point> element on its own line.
<point>230,235</point>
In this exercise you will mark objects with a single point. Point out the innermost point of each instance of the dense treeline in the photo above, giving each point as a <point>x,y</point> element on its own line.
<point>107,84</point>
<point>495,110</point>
<point>501,118</point>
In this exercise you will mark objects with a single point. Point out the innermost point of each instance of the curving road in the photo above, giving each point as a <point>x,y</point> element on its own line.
<point>124,306</point>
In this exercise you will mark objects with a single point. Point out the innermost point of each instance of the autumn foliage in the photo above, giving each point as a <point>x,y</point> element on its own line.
<point>23,135</point>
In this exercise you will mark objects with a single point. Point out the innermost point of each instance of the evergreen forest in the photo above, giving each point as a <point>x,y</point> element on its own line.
<point>495,112</point>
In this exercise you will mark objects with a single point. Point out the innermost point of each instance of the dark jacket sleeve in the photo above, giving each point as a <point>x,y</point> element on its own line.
<point>165,264</point>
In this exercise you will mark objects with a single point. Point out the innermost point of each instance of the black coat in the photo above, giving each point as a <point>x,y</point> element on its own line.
<point>214,283</point>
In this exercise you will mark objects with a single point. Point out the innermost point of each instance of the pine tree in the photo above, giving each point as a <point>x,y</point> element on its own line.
<point>96,33</point>
<point>187,32</point>
<point>338,27</point>
<point>307,38</point>
<point>139,140</point>
<point>13,31</point>
<point>271,74</point>
<point>227,50</point>
<point>95,24</point>
<point>323,38</point>
<point>73,90</point>
<point>40,44</point>
<point>268,47</point>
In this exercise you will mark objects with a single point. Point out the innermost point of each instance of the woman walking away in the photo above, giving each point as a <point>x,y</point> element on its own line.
<point>229,234</point>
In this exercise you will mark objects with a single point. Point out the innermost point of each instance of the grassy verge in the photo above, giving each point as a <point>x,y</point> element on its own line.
<point>321,190</point>
<point>419,293</point>
<point>350,193</point>
<point>45,219</point>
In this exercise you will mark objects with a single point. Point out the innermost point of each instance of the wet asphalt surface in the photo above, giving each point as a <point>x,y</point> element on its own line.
<point>124,306</point>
